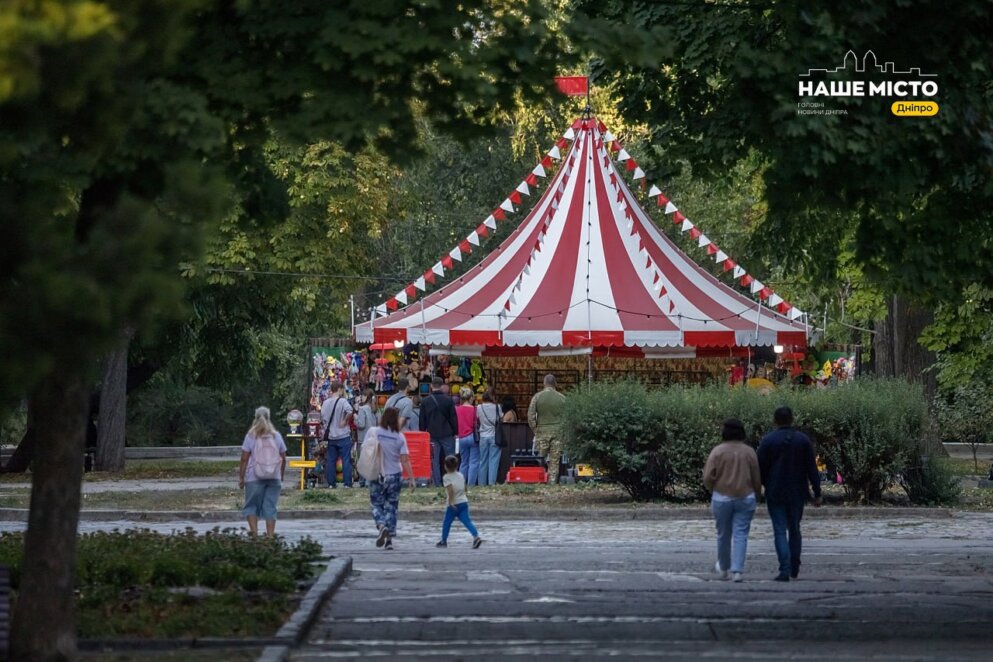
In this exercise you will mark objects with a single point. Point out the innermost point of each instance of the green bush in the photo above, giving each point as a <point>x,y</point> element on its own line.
<point>867,430</point>
<point>618,427</point>
<point>651,442</point>
<point>931,481</point>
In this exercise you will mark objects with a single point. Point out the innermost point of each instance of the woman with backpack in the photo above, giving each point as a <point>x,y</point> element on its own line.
<point>383,458</point>
<point>263,465</point>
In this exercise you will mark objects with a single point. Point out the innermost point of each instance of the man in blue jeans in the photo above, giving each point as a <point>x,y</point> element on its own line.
<point>336,414</point>
<point>787,465</point>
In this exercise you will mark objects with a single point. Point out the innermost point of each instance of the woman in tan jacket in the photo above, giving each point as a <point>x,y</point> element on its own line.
<point>732,475</point>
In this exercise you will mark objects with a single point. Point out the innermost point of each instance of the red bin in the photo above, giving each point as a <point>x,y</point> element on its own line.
<point>419,445</point>
<point>527,475</point>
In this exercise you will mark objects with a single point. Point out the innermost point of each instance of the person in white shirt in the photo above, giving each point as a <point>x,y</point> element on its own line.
<point>458,503</point>
<point>488,415</point>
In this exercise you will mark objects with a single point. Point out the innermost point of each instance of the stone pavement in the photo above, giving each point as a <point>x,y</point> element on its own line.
<point>895,588</point>
<point>886,588</point>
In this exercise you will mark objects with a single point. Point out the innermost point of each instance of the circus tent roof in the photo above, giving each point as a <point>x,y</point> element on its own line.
<point>587,267</point>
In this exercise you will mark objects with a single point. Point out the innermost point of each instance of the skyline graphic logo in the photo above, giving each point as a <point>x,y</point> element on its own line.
<point>865,76</point>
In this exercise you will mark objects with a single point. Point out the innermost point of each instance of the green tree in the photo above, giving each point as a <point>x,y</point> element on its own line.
<point>909,197</point>
<point>126,127</point>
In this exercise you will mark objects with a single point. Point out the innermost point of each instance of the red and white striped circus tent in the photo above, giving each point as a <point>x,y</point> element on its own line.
<point>587,268</point>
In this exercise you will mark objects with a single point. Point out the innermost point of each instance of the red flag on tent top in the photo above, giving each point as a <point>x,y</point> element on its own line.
<point>573,86</point>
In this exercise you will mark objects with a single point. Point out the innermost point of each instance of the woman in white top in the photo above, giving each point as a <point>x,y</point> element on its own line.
<point>488,415</point>
<point>260,474</point>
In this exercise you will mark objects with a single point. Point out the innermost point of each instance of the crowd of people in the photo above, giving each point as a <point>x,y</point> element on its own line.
<point>464,444</point>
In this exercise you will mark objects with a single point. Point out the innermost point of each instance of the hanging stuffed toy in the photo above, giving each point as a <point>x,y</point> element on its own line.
<point>477,372</point>
<point>453,375</point>
<point>464,373</point>
<point>380,377</point>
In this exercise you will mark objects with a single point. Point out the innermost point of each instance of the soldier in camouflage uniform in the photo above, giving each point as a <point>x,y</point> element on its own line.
<point>545,415</point>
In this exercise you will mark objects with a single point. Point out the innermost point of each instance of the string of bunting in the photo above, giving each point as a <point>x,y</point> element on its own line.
<point>511,300</point>
<point>409,294</point>
<point>744,279</point>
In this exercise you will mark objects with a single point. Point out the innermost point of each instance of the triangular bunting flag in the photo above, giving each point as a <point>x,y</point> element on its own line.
<point>446,262</point>
<point>523,188</point>
<point>531,180</point>
<point>455,254</point>
<point>631,165</point>
<point>401,296</point>
<point>756,286</point>
<point>499,215</point>
<point>677,217</point>
<point>795,313</point>
<point>608,136</point>
<point>623,156</point>
<point>465,247</point>
<point>411,291</point>
<point>381,309</point>
<point>703,241</point>
<point>746,280</point>
<point>392,303</point>
<point>561,143</point>
<point>687,225</point>
<point>783,307</point>
<point>738,272</point>
<point>539,171</point>
<point>439,268</point>
<point>482,231</point>
<point>695,232</point>
<point>638,174</point>
<point>720,256</point>
<point>663,201</point>
<point>473,238</point>
<point>514,197</point>
<point>506,205</point>
<point>615,146</point>
<point>419,284</point>
<point>546,162</point>
<point>774,299</point>
<point>429,274</point>
<point>712,248</point>
<point>555,153</point>
<point>670,208</point>
<point>654,191</point>
<point>490,222</point>
<point>569,134</point>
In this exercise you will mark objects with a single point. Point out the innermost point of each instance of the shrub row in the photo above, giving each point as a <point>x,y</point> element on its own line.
<point>217,559</point>
<point>651,442</point>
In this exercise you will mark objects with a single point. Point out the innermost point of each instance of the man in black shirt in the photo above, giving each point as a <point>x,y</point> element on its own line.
<point>438,419</point>
<point>787,464</point>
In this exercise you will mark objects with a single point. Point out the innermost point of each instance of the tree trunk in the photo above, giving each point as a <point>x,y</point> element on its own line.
<point>111,426</point>
<point>44,626</point>
<point>897,353</point>
<point>20,461</point>
<point>896,350</point>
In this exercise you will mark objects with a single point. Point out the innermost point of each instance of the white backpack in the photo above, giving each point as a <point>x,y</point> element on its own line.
<point>370,464</point>
<point>268,461</point>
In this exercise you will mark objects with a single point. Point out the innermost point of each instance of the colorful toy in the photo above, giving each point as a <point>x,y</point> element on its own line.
<point>476,371</point>
<point>380,377</point>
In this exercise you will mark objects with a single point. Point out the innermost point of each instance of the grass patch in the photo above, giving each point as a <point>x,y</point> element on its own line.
<point>965,467</point>
<point>151,470</point>
<point>146,584</point>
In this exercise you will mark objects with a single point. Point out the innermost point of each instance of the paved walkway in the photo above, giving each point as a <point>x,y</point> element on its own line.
<point>883,588</point>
